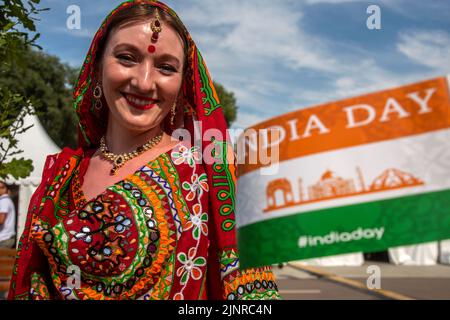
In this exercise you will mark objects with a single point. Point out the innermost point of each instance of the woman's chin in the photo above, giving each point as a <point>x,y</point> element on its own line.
<point>139,121</point>
<point>140,125</point>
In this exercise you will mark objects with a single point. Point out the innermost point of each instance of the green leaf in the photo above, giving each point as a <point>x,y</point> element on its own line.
<point>186,186</point>
<point>200,261</point>
<point>7,123</point>
<point>196,233</point>
<point>184,278</point>
<point>8,26</point>
<point>18,168</point>
<point>182,257</point>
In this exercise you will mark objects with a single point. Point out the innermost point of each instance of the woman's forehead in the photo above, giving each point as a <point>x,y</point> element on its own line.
<point>139,33</point>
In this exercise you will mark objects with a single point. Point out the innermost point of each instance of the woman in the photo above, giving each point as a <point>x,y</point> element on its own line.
<point>133,214</point>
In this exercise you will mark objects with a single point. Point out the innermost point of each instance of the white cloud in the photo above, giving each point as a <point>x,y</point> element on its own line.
<point>428,48</point>
<point>253,47</point>
<point>365,76</point>
<point>261,31</point>
<point>246,119</point>
<point>362,77</point>
<point>79,33</point>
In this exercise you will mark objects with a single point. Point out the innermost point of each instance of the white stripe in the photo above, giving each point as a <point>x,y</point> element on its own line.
<point>425,156</point>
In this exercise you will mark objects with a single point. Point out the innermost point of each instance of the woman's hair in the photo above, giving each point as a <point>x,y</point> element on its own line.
<point>142,12</point>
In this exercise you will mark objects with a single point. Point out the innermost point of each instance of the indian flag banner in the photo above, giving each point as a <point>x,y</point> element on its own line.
<point>362,174</point>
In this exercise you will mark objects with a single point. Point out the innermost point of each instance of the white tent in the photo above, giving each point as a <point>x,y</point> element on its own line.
<point>36,145</point>
<point>424,254</point>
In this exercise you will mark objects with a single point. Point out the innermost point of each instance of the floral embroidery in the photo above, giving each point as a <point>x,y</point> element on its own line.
<point>198,221</point>
<point>190,266</point>
<point>197,186</point>
<point>186,155</point>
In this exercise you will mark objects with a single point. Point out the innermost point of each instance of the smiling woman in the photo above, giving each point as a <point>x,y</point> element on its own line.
<point>134,213</point>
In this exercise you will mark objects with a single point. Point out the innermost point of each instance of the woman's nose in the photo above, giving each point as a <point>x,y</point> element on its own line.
<point>144,77</point>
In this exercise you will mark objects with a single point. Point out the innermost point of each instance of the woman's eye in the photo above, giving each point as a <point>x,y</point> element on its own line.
<point>166,68</point>
<point>125,58</point>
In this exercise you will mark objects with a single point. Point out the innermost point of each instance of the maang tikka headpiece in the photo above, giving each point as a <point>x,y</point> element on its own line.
<point>156,28</point>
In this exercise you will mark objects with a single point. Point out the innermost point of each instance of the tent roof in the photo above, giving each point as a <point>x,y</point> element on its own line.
<point>36,145</point>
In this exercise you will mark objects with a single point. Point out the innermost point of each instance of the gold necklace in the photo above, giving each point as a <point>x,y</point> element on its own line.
<point>119,160</point>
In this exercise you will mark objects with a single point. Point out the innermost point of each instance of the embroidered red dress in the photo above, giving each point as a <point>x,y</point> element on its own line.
<point>145,237</point>
<point>167,231</point>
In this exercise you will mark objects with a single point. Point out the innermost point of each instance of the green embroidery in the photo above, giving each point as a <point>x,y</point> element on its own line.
<point>62,204</point>
<point>165,289</point>
<point>206,88</point>
<point>227,187</point>
<point>266,295</point>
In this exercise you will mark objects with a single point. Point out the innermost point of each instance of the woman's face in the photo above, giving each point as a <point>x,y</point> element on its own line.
<point>140,87</point>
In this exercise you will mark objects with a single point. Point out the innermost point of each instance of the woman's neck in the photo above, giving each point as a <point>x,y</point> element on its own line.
<point>121,140</point>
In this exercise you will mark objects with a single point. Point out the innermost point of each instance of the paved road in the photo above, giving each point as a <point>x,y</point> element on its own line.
<point>429,282</point>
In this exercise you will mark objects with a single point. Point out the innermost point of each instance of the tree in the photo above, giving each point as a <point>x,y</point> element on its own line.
<point>49,84</point>
<point>14,107</point>
<point>14,15</point>
<point>228,103</point>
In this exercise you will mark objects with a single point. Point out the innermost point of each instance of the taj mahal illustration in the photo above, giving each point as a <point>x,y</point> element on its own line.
<point>331,186</point>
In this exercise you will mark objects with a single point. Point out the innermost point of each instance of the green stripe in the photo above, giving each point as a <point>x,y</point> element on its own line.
<point>206,88</point>
<point>406,220</point>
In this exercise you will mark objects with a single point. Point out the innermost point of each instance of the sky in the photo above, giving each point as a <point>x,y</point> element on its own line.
<point>285,55</point>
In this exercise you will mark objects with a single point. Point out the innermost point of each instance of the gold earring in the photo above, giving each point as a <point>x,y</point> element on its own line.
<point>172,113</point>
<point>98,96</point>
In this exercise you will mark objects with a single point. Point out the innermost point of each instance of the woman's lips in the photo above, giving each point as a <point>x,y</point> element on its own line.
<point>139,102</point>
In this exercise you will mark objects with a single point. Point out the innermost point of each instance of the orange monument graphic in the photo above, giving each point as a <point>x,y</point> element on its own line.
<point>331,186</point>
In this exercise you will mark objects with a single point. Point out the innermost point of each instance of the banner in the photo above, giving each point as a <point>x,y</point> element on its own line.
<point>362,174</point>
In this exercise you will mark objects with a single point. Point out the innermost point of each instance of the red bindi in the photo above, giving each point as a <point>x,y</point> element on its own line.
<point>151,48</point>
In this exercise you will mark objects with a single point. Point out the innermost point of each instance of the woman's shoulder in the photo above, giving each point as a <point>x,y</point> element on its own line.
<point>66,152</point>
<point>53,165</point>
<point>70,152</point>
